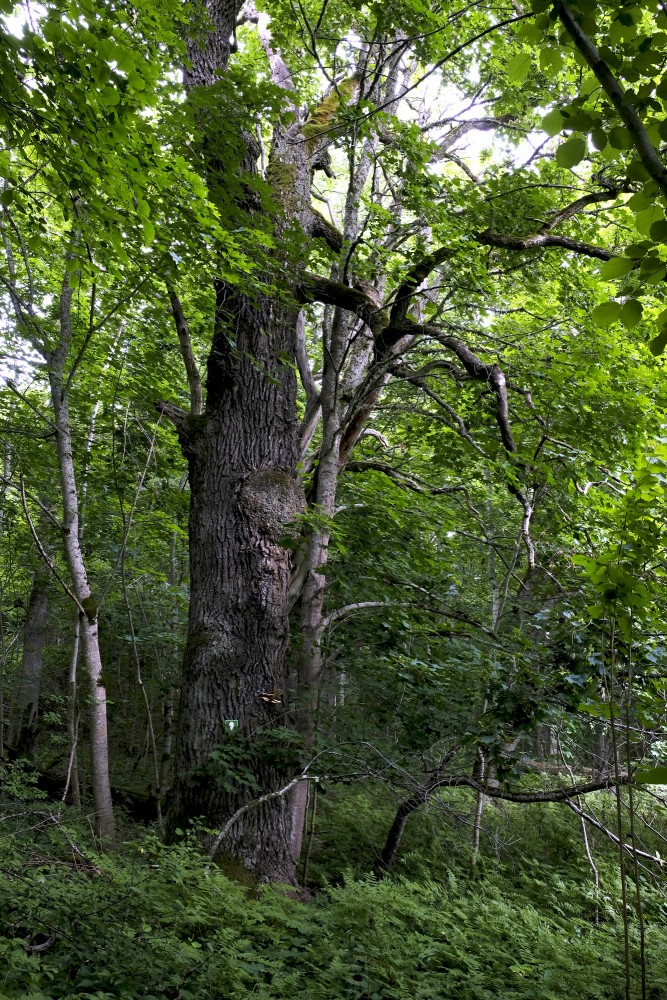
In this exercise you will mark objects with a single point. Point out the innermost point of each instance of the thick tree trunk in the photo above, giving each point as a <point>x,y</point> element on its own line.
<point>244,491</point>
<point>35,633</point>
<point>242,455</point>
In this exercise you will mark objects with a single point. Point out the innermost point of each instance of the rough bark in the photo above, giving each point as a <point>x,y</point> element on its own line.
<point>242,456</point>
<point>244,491</point>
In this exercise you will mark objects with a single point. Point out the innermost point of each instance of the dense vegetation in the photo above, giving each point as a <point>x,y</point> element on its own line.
<point>156,921</point>
<point>332,506</point>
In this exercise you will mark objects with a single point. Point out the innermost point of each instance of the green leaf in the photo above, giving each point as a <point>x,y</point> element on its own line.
<point>554,122</point>
<point>658,344</point>
<point>110,96</point>
<point>597,709</point>
<point>518,67</point>
<point>616,268</point>
<point>571,152</point>
<point>646,219</point>
<point>652,269</point>
<point>606,313</point>
<point>658,231</point>
<point>582,121</point>
<point>599,138</point>
<point>620,138</point>
<point>631,313</point>
<point>551,60</point>
<point>531,33</point>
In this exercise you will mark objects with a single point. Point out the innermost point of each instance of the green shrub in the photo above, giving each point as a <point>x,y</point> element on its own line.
<point>162,922</point>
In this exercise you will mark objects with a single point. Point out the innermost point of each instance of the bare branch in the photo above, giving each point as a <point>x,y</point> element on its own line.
<point>410,284</point>
<point>491,374</point>
<point>279,72</point>
<point>471,125</point>
<point>315,288</point>
<point>628,848</point>
<point>400,478</point>
<point>176,414</point>
<point>37,948</point>
<point>42,551</point>
<point>11,384</point>
<point>303,362</point>
<point>463,166</point>
<point>567,213</point>
<point>215,846</point>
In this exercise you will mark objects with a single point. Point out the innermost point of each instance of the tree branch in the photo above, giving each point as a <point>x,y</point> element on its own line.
<point>616,94</point>
<point>477,369</point>
<point>542,239</point>
<point>628,848</point>
<point>564,214</point>
<point>315,288</point>
<point>215,846</point>
<point>410,284</point>
<point>185,345</point>
<point>42,551</point>
<point>471,125</point>
<point>400,478</point>
<point>424,794</point>
<point>176,414</point>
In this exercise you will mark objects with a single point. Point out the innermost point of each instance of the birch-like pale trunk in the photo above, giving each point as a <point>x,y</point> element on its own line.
<point>89,634</point>
<point>343,349</point>
<point>312,600</point>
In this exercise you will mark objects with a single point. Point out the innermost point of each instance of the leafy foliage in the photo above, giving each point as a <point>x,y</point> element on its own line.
<point>159,922</point>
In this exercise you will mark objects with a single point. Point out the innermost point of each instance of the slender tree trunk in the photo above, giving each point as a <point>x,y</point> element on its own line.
<point>395,834</point>
<point>167,739</point>
<point>99,742</point>
<point>35,633</point>
<point>312,600</point>
<point>4,650</point>
<point>340,379</point>
<point>82,592</point>
<point>169,701</point>
<point>479,808</point>
<point>150,734</point>
<point>72,720</point>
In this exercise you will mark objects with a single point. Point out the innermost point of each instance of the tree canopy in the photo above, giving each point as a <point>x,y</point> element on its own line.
<point>333,416</point>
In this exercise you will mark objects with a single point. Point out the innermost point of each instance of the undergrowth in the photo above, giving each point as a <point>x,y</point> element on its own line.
<point>151,921</point>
